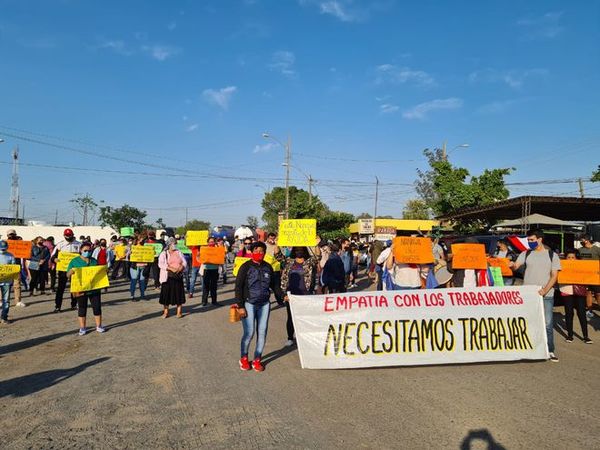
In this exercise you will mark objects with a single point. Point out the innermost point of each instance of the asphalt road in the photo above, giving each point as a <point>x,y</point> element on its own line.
<point>175,383</point>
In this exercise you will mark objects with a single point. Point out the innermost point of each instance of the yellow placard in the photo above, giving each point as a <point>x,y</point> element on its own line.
<point>237,263</point>
<point>193,238</point>
<point>9,272</point>
<point>297,233</point>
<point>64,258</point>
<point>89,278</point>
<point>276,265</point>
<point>141,254</point>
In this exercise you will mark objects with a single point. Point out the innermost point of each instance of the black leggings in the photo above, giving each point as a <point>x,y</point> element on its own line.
<point>577,302</point>
<point>38,280</point>
<point>82,303</point>
<point>60,290</point>
<point>289,325</point>
<point>209,285</point>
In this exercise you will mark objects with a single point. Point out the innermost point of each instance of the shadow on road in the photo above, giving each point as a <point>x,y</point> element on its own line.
<point>270,357</point>
<point>29,384</point>
<point>477,436</point>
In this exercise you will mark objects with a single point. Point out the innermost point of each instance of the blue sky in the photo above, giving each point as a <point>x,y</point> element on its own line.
<point>185,90</point>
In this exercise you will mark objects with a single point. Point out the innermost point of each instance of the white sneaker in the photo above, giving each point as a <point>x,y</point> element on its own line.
<point>553,357</point>
<point>21,304</point>
<point>289,343</point>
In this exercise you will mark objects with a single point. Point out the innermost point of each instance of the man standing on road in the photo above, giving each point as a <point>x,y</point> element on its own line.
<point>541,269</point>
<point>590,251</point>
<point>5,259</point>
<point>69,245</point>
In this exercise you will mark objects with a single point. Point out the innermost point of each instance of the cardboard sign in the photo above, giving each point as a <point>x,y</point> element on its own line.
<point>157,246</point>
<point>579,272</point>
<point>413,250</point>
<point>9,272</point>
<point>497,276</point>
<point>468,256</point>
<point>212,255</point>
<point>503,264</point>
<point>141,254</point>
<point>183,248</point>
<point>19,249</point>
<point>89,278</point>
<point>237,263</point>
<point>297,233</point>
<point>64,258</point>
<point>196,237</point>
<point>366,226</point>
<point>276,265</point>
<point>127,231</point>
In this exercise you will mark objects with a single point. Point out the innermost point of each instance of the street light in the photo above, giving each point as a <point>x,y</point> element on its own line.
<point>445,154</point>
<point>286,164</point>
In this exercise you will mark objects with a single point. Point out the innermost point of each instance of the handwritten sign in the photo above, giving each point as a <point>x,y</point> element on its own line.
<point>9,272</point>
<point>468,256</point>
<point>157,246</point>
<point>212,255</point>
<point>141,254</point>
<point>497,276</point>
<point>276,265</point>
<point>183,248</point>
<point>89,278</point>
<point>237,263</point>
<point>413,250</point>
<point>64,258</point>
<point>579,272</point>
<point>297,233</point>
<point>19,249</point>
<point>196,237</point>
<point>502,263</point>
<point>127,231</point>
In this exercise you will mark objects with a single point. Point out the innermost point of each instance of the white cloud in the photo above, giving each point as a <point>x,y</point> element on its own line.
<point>389,73</point>
<point>421,110</point>
<point>283,62</point>
<point>500,106</point>
<point>512,78</point>
<point>221,97</point>
<point>338,10</point>
<point>348,11</point>
<point>171,25</point>
<point>161,52</point>
<point>116,46</point>
<point>265,148</point>
<point>387,108</point>
<point>192,127</point>
<point>547,26</point>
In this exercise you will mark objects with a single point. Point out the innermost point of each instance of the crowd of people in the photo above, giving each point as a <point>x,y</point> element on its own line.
<point>328,267</point>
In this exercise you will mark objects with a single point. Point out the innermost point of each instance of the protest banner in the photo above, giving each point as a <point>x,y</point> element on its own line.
<point>127,231</point>
<point>141,254</point>
<point>9,272</point>
<point>64,258</point>
<point>297,233</point>
<point>212,255</point>
<point>157,246</point>
<point>183,248</point>
<point>89,278</point>
<point>276,265</point>
<point>413,250</point>
<point>237,263</point>
<point>503,264</point>
<point>196,237</point>
<point>468,256</point>
<point>585,272</point>
<point>419,327</point>
<point>19,249</point>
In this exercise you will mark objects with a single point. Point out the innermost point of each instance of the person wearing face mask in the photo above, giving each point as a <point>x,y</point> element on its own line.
<point>69,245</point>
<point>210,279</point>
<point>172,264</point>
<point>136,274</point>
<point>5,286</point>
<point>574,296</point>
<point>85,260</point>
<point>11,235</point>
<point>590,251</point>
<point>541,269</point>
<point>51,266</point>
<point>246,250</point>
<point>38,266</point>
<point>253,286</point>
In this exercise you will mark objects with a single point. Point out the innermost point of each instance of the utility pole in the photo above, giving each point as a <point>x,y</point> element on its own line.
<point>581,188</point>
<point>85,210</point>
<point>14,186</point>
<point>186,216</point>
<point>56,217</point>
<point>310,183</point>
<point>288,157</point>
<point>444,154</point>
<point>376,198</point>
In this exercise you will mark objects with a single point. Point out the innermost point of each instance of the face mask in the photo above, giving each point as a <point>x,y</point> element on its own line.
<point>86,254</point>
<point>533,245</point>
<point>257,257</point>
<point>211,244</point>
<point>69,238</point>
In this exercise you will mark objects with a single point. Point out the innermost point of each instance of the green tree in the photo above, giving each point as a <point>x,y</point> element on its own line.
<point>193,224</point>
<point>301,206</point>
<point>334,224</point>
<point>252,222</point>
<point>596,175</point>
<point>364,215</point>
<point>415,210</point>
<point>160,224</point>
<point>125,216</point>
<point>86,207</point>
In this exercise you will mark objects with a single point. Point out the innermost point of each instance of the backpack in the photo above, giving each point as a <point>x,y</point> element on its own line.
<point>520,273</point>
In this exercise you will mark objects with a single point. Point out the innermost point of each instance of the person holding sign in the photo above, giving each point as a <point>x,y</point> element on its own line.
<point>6,258</point>
<point>503,251</point>
<point>11,235</point>
<point>400,275</point>
<point>172,266</point>
<point>574,297</point>
<point>136,273</point>
<point>69,245</point>
<point>253,286</point>
<point>38,266</point>
<point>93,296</point>
<point>210,278</point>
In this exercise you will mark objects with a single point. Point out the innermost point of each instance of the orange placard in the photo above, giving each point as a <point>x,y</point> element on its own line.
<point>19,249</point>
<point>212,255</point>
<point>468,256</point>
<point>503,264</point>
<point>579,272</point>
<point>413,250</point>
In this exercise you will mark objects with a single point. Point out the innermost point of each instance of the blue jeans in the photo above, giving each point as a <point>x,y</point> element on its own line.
<point>549,319</point>
<point>137,275</point>
<point>257,317</point>
<point>5,290</point>
<point>193,276</point>
<point>188,270</point>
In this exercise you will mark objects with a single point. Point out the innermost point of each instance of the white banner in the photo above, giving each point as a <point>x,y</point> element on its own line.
<point>417,327</point>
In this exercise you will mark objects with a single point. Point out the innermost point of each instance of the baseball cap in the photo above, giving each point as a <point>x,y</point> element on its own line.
<point>68,232</point>
<point>3,245</point>
<point>11,231</point>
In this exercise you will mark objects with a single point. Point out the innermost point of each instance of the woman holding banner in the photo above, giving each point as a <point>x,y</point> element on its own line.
<point>172,265</point>
<point>85,260</point>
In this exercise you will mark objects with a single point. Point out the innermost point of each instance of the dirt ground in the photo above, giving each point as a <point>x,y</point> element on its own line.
<point>175,383</point>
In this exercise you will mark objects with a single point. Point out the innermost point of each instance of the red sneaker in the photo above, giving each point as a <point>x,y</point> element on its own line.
<point>244,363</point>
<point>257,366</point>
